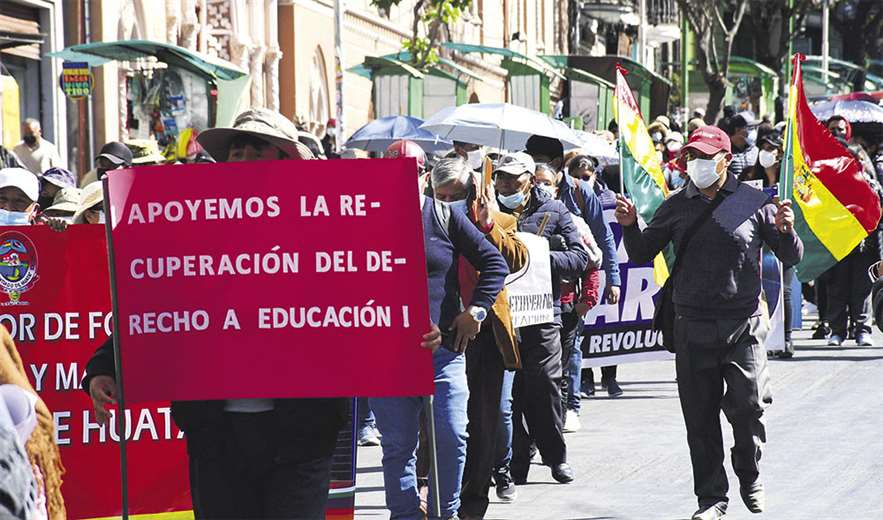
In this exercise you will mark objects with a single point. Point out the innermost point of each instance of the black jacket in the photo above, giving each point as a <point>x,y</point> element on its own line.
<point>302,422</point>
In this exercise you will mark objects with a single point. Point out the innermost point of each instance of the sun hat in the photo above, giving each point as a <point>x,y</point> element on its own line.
<point>266,125</point>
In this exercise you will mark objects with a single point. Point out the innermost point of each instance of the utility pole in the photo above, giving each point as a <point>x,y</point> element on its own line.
<point>642,33</point>
<point>339,8</point>
<point>685,67</point>
<point>826,34</point>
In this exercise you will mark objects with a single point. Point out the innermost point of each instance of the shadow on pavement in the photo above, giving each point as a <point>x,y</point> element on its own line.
<point>370,469</point>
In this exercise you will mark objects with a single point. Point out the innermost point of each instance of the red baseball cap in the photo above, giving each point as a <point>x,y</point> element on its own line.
<point>708,140</point>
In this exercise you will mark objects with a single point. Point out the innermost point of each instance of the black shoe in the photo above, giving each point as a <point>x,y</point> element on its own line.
<point>753,496</point>
<point>822,331</point>
<point>562,473</point>
<point>863,339</point>
<point>710,513</point>
<point>504,484</point>
<point>588,390</point>
<point>613,388</point>
<point>835,340</point>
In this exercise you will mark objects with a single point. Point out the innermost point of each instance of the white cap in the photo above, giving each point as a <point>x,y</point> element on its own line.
<point>21,179</point>
<point>517,163</point>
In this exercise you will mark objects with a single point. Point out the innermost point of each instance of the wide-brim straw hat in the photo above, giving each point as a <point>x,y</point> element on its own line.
<point>92,194</point>
<point>262,124</point>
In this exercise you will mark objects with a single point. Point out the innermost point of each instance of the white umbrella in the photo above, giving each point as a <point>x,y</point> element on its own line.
<point>597,147</point>
<point>497,124</point>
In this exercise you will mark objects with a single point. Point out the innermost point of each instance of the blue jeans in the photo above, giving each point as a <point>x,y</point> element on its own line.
<point>504,441</point>
<point>574,375</point>
<point>365,418</point>
<point>398,418</point>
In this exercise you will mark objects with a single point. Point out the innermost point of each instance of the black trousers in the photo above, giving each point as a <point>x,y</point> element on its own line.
<point>849,293</point>
<point>536,404</point>
<point>722,365</point>
<point>484,372</point>
<point>236,472</point>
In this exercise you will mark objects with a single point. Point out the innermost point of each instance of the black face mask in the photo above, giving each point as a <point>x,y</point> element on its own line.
<point>30,140</point>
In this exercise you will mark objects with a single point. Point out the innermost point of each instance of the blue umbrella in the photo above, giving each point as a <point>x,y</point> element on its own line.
<point>377,135</point>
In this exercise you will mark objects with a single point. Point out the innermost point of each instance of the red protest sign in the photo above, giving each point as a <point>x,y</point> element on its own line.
<point>55,302</point>
<point>270,279</point>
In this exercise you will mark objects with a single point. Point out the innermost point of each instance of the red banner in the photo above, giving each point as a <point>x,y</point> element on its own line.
<point>271,280</point>
<point>55,299</point>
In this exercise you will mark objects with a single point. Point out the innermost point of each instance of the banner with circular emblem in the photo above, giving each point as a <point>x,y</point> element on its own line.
<point>76,79</point>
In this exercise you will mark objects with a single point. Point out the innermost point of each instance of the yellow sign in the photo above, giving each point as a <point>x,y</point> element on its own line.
<point>10,115</point>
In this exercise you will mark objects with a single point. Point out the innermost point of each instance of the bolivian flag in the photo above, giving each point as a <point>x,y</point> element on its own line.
<point>640,168</point>
<point>834,206</point>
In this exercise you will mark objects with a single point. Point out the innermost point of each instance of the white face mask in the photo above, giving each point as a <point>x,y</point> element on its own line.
<point>766,159</point>
<point>549,190</point>
<point>101,219</point>
<point>14,218</point>
<point>703,172</point>
<point>475,158</point>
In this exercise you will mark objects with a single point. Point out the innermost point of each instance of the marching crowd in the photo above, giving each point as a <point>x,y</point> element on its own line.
<point>503,395</point>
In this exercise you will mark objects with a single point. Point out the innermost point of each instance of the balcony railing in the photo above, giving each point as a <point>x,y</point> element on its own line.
<point>662,12</point>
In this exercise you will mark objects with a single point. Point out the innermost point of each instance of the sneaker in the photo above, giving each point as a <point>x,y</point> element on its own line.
<point>835,340</point>
<point>863,339</point>
<point>822,331</point>
<point>369,437</point>
<point>506,490</point>
<point>709,513</point>
<point>613,388</point>
<point>753,497</point>
<point>588,391</point>
<point>571,422</point>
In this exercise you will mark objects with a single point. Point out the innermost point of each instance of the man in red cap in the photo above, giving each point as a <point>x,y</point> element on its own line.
<point>718,226</point>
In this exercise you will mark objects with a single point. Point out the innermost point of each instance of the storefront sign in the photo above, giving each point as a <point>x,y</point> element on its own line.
<point>271,280</point>
<point>76,79</point>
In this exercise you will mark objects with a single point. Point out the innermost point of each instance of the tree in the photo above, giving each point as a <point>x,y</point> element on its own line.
<point>768,29</point>
<point>431,25</point>
<point>860,22</point>
<point>715,24</point>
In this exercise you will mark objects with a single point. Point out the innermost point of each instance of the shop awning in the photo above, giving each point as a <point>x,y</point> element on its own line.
<point>560,62</point>
<point>747,64</point>
<point>403,58</point>
<point>99,53</point>
<point>539,65</point>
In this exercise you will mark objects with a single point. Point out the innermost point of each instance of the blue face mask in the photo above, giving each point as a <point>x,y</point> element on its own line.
<point>458,206</point>
<point>14,218</point>
<point>512,201</point>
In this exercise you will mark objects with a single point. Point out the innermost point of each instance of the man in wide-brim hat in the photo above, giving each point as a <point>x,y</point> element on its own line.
<point>250,458</point>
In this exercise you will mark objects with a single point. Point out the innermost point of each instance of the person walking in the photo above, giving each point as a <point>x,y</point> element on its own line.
<point>718,226</point>
<point>495,348</point>
<point>449,236</point>
<point>537,387</point>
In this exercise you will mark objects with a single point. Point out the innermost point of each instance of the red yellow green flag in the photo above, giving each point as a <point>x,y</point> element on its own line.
<point>835,208</point>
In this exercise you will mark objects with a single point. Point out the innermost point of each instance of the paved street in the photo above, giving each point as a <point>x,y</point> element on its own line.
<point>824,458</point>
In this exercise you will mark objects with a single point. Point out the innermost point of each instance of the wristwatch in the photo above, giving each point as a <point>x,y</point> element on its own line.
<point>478,313</point>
